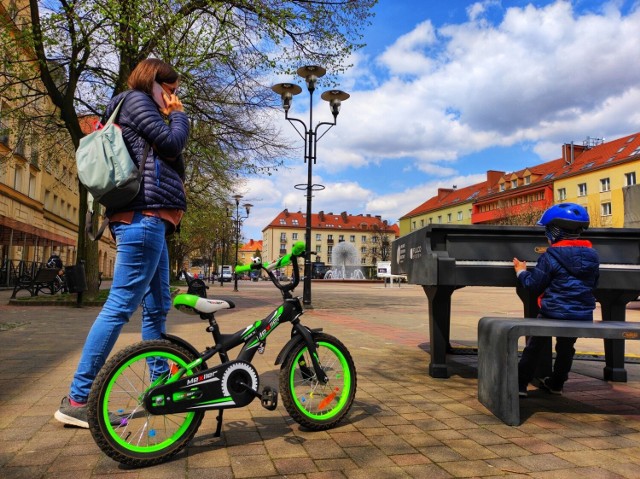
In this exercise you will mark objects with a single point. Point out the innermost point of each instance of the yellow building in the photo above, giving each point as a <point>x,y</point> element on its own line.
<point>38,180</point>
<point>600,182</point>
<point>370,235</point>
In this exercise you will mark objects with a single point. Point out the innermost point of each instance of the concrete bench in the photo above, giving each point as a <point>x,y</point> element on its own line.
<point>498,354</point>
<point>44,278</point>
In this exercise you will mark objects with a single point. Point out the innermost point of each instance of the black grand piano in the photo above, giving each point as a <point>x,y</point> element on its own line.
<point>443,258</point>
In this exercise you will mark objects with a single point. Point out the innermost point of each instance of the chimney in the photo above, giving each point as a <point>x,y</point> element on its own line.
<point>345,218</point>
<point>321,216</point>
<point>493,176</point>
<point>570,152</point>
<point>442,192</point>
<point>286,212</point>
<point>379,218</point>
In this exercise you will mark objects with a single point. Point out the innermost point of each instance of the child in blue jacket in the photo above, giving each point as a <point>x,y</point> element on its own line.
<point>565,277</point>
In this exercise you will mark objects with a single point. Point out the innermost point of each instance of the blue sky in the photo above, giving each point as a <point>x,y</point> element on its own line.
<point>448,89</point>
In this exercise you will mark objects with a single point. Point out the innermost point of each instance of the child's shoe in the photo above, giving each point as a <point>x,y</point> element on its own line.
<point>522,391</point>
<point>548,386</point>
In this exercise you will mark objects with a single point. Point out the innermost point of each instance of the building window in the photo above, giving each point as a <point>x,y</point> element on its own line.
<point>448,217</point>
<point>439,219</point>
<point>630,178</point>
<point>527,180</point>
<point>283,236</point>
<point>294,222</point>
<point>363,260</point>
<point>363,250</point>
<point>340,238</point>
<point>582,189</point>
<point>330,237</point>
<point>605,185</point>
<point>606,209</point>
<point>562,194</point>
<point>318,248</point>
<point>318,237</point>
<point>17,178</point>
<point>282,221</point>
<point>514,183</point>
<point>502,187</point>
<point>430,220</point>
<point>352,238</point>
<point>364,238</point>
<point>421,223</point>
<point>459,215</point>
<point>413,225</point>
<point>32,186</point>
<point>294,236</point>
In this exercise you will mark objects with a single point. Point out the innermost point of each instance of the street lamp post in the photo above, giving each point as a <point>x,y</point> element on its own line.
<point>238,221</point>
<point>310,136</point>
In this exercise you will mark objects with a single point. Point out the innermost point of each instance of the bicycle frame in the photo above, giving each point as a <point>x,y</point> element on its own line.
<point>252,338</point>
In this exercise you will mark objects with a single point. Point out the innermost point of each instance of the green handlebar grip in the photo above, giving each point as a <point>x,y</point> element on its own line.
<point>282,262</point>
<point>243,268</point>
<point>298,248</point>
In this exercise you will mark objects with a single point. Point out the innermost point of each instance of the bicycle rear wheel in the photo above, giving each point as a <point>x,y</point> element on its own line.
<point>312,404</point>
<point>117,417</point>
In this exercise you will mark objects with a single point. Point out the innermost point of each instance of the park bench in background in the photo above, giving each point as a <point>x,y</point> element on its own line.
<point>498,354</point>
<point>44,278</point>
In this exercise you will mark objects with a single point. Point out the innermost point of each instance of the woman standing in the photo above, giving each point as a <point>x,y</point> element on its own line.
<point>152,115</point>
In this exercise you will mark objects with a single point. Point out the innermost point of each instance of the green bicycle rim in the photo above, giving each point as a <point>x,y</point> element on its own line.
<point>343,397</point>
<point>105,409</point>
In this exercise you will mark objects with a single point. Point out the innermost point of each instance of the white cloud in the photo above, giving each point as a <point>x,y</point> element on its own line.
<point>496,85</point>
<point>544,76</point>
<point>406,55</point>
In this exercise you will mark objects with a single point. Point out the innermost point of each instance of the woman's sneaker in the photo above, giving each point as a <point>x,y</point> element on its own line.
<point>548,386</point>
<point>77,415</point>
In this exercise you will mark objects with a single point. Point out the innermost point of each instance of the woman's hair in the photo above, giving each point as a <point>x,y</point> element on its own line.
<point>150,70</point>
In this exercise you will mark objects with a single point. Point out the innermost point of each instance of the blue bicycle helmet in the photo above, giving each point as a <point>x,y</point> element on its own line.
<point>564,221</point>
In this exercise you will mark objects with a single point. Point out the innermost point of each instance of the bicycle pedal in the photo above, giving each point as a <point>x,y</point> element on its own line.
<point>269,398</point>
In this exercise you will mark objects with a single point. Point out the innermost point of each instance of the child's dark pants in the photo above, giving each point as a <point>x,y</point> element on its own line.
<point>531,356</point>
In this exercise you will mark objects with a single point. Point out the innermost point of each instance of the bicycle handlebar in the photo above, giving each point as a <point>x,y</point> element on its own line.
<point>297,251</point>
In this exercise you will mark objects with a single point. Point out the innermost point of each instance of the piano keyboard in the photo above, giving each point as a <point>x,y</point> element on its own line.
<point>501,264</point>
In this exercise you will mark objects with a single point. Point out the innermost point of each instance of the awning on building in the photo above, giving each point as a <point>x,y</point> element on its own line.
<point>17,233</point>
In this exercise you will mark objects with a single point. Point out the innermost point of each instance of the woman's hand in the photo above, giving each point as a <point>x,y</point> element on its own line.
<point>519,265</point>
<point>171,102</point>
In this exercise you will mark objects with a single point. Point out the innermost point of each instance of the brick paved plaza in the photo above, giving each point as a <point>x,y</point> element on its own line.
<point>404,424</point>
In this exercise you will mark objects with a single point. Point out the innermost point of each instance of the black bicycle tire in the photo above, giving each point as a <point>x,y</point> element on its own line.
<point>97,423</point>
<point>292,405</point>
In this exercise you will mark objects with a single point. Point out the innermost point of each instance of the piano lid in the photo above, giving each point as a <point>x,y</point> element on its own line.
<point>434,252</point>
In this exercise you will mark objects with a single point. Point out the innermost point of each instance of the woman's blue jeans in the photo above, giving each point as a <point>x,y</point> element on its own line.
<point>141,276</point>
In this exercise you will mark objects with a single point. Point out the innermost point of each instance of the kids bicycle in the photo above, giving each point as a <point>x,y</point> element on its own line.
<point>149,399</point>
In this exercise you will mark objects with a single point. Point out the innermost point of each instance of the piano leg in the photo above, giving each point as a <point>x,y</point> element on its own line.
<point>613,304</point>
<point>439,328</point>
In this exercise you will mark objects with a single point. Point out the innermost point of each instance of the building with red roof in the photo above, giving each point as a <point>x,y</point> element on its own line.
<point>370,235</point>
<point>600,176</point>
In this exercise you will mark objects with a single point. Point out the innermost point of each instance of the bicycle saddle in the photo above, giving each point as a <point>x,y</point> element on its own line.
<point>192,304</point>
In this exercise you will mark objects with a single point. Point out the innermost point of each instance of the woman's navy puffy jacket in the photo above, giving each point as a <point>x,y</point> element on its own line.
<point>566,275</point>
<point>142,123</point>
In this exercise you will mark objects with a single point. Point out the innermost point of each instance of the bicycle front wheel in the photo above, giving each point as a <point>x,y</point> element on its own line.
<point>117,417</point>
<point>312,404</point>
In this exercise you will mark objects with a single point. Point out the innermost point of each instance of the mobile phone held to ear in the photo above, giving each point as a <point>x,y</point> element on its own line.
<point>156,93</point>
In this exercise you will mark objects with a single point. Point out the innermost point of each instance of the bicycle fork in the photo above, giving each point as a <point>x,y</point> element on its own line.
<point>307,337</point>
